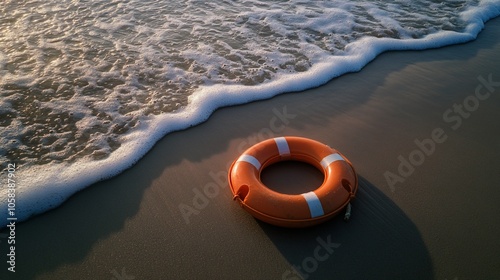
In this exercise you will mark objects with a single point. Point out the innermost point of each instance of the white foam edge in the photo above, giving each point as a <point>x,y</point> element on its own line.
<point>42,188</point>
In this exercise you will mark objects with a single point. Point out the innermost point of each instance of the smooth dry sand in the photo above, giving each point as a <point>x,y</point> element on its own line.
<point>439,222</point>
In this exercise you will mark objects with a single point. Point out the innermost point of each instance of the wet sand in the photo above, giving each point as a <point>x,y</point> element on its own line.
<point>421,128</point>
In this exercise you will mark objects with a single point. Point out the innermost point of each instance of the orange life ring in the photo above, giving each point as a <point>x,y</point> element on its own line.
<point>339,186</point>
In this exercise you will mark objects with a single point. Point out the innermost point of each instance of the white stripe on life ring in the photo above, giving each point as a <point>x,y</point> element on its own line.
<point>282,145</point>
<point>315,206</point>
<point>330,159</point>
<point>250,159</point>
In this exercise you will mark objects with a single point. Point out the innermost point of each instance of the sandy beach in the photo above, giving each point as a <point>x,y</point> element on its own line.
<point>420,127</point>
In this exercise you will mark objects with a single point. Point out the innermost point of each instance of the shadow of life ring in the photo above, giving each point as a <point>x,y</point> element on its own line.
<point>287,210</point>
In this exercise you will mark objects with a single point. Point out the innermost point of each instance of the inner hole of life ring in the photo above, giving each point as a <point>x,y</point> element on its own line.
<point>292,177</point>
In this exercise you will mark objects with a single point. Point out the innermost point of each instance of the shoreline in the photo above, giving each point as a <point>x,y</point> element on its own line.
<point>428,225</point>
<point>202,105</point>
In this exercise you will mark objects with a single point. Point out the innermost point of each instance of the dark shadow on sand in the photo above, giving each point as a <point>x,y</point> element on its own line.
<point>378,242</point>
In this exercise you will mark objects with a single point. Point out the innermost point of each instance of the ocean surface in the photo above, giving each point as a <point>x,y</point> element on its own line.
<point>88,86</point>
